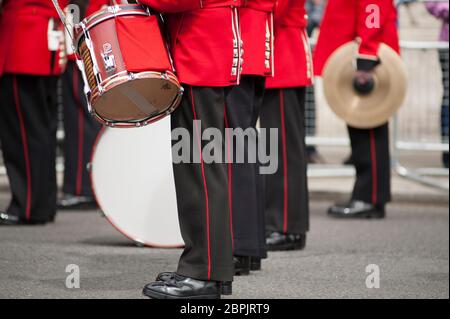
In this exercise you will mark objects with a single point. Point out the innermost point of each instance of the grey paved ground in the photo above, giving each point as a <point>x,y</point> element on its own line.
<point>411,247</point>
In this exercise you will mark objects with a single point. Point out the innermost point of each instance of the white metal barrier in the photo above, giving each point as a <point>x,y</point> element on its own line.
<point>417,126</point>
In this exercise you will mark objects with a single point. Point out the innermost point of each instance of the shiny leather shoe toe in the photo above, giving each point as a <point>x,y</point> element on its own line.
<point>7,219</point>
<point>276,241</point>
<point>357,209</point>
<point>180,287</point>
<point>227,286</point>
<point>11,220</point>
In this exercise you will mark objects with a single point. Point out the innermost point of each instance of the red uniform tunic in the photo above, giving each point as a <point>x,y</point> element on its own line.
<point>95,5</point>
<point>204,38</point>
<point>256,23</point>
<point>346,20</point>
<point>293,59</point>
<point>24,45</point>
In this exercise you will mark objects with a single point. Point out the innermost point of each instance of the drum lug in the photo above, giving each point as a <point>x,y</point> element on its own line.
<point>164,76</point>
<point>108,124</point>
<point>131,75</point>
<point>114,9</point>
<point>101,90</point>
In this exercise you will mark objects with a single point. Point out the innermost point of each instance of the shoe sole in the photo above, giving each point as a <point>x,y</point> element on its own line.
<point>359,216</point>
<point>156,295</point>
<point>22,224</point>
<point>286,247</point>
<point>226,290</point>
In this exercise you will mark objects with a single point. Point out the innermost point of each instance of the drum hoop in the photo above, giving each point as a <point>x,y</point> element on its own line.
<point>114,82</point>
<point>115,11</point>
<point>91,21</point>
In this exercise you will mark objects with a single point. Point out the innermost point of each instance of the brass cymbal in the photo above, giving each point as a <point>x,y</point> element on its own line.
<point>364,110</point>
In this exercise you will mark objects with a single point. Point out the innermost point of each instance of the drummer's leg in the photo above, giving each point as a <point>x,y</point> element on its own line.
<point>370,149</point>
<point>202,194</point>
<point>287,202</point>
<point>81,132</point>
<point>28,115</point>
<point>372,190</point>
<point>243,105</point>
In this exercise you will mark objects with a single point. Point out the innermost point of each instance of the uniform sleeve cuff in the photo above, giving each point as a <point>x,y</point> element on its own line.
<point>367,64</point>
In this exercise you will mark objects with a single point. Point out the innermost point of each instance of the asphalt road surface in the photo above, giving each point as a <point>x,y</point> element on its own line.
<point>410,247</point>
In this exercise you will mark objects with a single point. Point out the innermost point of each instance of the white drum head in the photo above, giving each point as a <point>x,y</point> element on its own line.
<point>133,181</point>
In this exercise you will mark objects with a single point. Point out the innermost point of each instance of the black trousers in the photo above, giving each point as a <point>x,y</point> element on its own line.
<point>28,121</point>
<point>370,154</point>
<point>287,202</point>
<point>202,189</point>
<point>81,132</point>
<point>246,194</point>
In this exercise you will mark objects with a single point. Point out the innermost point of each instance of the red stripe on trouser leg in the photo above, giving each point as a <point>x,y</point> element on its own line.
<point>208,234</point>
<point>373,154</point>
<point>79,180</point>
<point>25,147</point>
<point>230,177</point>
<point>285,164</point>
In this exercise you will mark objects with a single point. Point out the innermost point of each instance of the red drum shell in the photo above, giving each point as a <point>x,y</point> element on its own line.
<point>135,84</point>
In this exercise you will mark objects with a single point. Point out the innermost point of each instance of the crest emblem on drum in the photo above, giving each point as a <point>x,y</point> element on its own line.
<point>108,58</point>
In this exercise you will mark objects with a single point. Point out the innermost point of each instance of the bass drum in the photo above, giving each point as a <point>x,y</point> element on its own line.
<point>133,182</point>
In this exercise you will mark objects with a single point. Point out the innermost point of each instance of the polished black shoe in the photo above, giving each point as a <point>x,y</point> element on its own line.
<point>11,220</point>
<point>72,202</point>
<point>180,287</point>
<point>255,264</point>
<point>227,286</point>
<point>276,241</point>
<point>357,209</point>
<point>7,219</point>
<point>241,265</point>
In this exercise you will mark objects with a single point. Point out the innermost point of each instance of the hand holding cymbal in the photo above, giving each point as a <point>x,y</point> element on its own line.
<point>364,98</point>
<point>363,82</point>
